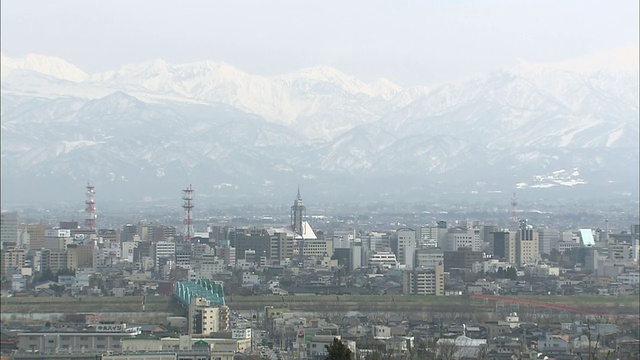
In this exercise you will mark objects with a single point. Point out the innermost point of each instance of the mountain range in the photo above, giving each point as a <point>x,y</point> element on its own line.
<point>147,130</point>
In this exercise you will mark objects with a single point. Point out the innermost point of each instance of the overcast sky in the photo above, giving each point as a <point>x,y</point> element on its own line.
<point>409,42</point>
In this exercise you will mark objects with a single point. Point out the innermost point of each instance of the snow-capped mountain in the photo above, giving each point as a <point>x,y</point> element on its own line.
<point>45,65</point>
<point>147,129</point>
<point>321,102</point>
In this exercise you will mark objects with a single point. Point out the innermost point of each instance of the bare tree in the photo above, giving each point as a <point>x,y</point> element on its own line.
<point>446,349</point>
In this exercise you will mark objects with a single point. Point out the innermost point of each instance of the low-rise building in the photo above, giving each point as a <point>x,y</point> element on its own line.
<point>102,337</point>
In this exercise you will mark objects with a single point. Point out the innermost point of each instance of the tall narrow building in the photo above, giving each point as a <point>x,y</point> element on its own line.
<point>527,244</point>
<point>9,228</point>
<point>298,211</point>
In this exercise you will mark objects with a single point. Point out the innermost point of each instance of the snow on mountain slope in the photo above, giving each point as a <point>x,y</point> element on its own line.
<point>321,102</point>
<point>507,109</point>
<point>213,123</point>
<point>47,65</point>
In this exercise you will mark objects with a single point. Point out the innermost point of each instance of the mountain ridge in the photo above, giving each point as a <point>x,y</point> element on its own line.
<point>140,131</point>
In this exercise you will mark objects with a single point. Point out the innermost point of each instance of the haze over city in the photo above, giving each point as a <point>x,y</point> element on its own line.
<point>294,180</point>
<point>332,96</point>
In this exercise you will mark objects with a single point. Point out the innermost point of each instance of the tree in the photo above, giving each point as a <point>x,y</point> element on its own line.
<point>446,349</point>
<point>65,271</point>
<point>57,289</point>
<point>46,275</point>
<point>338,351</point>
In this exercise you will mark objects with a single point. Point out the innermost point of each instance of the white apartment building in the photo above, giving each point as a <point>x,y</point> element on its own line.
<point>315,248</point>
<point>424,281</point>
<point>164,249</point>
<point>128,251</point>
<point>457,238</point>
<point>406,246</point>
<point>205,319</point>
<point>383,260</point>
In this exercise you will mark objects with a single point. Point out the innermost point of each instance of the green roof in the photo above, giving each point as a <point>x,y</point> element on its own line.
<point>201,343</point>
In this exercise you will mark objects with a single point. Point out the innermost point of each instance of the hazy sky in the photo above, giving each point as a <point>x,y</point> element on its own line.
<point>410,42</point>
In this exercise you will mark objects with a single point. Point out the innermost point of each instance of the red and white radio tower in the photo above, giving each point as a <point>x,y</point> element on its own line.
<point>513,221</point>
<point>90,221</point>
<point>187,205</point>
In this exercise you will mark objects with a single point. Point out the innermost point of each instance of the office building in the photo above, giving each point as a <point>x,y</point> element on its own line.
<point>429,258</point>
<point>527,244</point>
<point>8,228</point>
<point>424,281</point>
<point>504,246</point>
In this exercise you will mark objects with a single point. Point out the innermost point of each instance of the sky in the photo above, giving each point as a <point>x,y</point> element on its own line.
<point>408,42</point>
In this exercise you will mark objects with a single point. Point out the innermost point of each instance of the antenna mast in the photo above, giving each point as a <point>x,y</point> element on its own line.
<point>187,205</point>
<point>90,221</point>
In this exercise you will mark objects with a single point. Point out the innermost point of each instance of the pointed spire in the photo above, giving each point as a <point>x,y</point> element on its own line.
<point>299,198</point>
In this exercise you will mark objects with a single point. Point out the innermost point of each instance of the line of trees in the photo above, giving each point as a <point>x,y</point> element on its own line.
<point>47,274</point>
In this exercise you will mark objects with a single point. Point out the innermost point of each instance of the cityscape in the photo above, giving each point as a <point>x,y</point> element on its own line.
<point>456,289</point>
<point>320,180</point>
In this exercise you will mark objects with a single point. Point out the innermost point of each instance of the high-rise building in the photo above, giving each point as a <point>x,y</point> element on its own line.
<point>549,239</point>
<point>205,319</point>
<point>8,228</point>
<point>424,281</point>
<point>12,260</point>
<point>486,235</point>
<point>356,255</point>
<point>58,260</point>
<point>37,237</point>
<point>164,251</point>
<point>504,245</point>
<point>251,238</point>
<point>128,232</point>
<point>428,236</point>
<point>527,244</point>
<point>462,237</point>
<point>183,254</point>
<point>376,241</point>
<point>406,246</point>
<point>429,258</point>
